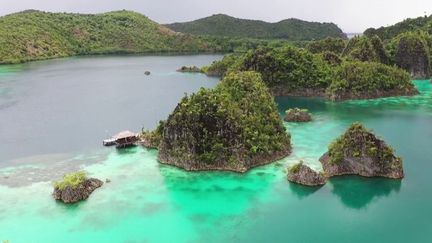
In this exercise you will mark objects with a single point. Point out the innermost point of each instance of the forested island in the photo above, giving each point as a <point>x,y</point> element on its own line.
<point>356,73</point>
<point>221,129</point>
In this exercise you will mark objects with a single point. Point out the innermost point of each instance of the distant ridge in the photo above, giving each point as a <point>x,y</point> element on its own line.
<point>227,26</point>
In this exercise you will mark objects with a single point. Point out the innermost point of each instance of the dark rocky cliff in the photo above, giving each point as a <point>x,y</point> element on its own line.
<point>412,54</point>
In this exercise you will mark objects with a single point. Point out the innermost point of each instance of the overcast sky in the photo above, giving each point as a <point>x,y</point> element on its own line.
<point>350,15</point>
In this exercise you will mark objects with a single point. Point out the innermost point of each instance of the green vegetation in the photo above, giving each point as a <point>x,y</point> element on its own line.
<point>288,68</point>
<point>295,168</point>
<point>357,142</point>
<point>71,180</point>
<point>331,58</point>
<point>409,44</point>
<point>222,126</point>
<point>290,29</point>
<point>363,48</point>
<point>411,51</point>
<point>153,137</point>
<point>241,44</point>
<point>335,45</point>
<point>33,35</point>
<point>369,80</point>
<point>219,68</point>
<point>386,33</point>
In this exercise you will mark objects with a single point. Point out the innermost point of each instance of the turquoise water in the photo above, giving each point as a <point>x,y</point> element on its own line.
<point>149,202</point>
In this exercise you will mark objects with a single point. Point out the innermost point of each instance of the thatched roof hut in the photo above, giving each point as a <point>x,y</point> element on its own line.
<point>125,138</point>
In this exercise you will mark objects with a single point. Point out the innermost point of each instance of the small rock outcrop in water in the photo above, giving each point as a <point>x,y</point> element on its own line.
<point>233,127</point>
<point>191,69</point>
<point>360,152</point>
<point>304,175</point>
<point>297,115</point>
<point>147,73</point>
<point>75,187</point>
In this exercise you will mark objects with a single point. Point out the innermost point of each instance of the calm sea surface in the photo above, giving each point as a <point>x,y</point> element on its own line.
<point>54,115</point>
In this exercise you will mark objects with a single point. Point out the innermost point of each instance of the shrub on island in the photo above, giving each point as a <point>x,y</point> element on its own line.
<point>234,126</point>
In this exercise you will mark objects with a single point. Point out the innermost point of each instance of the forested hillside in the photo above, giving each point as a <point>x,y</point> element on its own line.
<point>420,23</point>
<point>290,29</point>
<point>34,35</point>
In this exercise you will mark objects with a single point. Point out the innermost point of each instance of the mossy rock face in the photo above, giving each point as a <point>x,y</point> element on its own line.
<point>297,115</point>
<point>304,175</point>
<point>359,152</point>
<point>233,127</point>
<point>412,54</point>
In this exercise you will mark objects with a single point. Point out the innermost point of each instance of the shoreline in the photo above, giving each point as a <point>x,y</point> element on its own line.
<point>119,54</point>
<point>266,159</point>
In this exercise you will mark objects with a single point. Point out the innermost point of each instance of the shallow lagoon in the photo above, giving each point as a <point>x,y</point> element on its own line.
<point>55,113</point>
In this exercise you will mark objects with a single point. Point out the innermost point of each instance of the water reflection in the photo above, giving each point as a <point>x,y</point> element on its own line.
<point>302,191</point>
<point>358,192</point>
<point>128,150</point>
